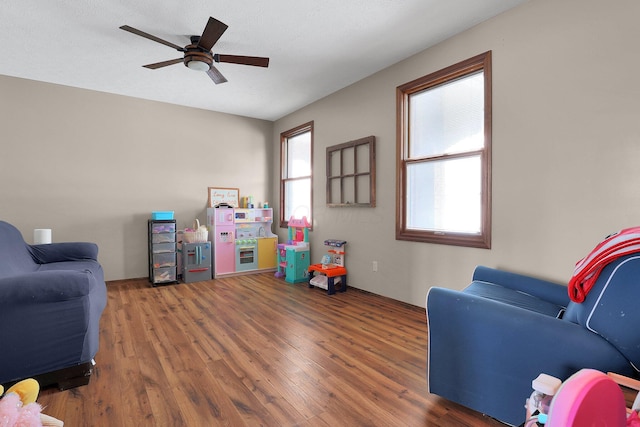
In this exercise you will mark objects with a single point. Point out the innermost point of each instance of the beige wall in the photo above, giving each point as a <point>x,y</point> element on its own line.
<point>566,147</point>
<point>93,166</point>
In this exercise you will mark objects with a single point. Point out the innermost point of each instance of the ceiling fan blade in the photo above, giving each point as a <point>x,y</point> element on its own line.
<point>216,75</point>
<point>152,37</point>
<point>257,61</point>
<point>212,32</point>
<point>163,63</point>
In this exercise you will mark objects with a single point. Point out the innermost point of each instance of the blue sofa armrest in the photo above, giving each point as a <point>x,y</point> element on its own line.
<point>543,289</point>
<point>64,251</point>
<point>50,321</point>
<point>484,354</point>
<point>45,287</point>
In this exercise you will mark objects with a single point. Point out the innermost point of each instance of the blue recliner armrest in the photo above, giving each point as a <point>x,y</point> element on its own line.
<point>546,290</point>
<point>64,251</point>
<point>484,354</point>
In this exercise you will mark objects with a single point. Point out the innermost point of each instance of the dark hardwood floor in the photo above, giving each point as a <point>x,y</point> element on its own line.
<point>256,351</point>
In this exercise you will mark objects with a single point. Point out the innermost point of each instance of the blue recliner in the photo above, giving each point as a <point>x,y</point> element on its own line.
<point>489,341</point>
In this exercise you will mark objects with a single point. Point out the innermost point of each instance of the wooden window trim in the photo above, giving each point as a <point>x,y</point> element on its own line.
<point>284,136</point>
<point>480,62</point>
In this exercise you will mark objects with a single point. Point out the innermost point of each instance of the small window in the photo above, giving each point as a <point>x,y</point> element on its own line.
<point>444,156</point>
<point>296,149</point>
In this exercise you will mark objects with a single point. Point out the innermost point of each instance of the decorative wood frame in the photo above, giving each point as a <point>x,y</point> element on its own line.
<point>351,173</point>
<point>217,195</point>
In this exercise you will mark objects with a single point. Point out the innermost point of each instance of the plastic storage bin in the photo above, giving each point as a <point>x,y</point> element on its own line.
<point>164,260</point>
<point>163,238</point>
<point>156,215</point>
<point>163,227</point>
<point>320,281</point>
<point>159,248</point>
<point>166,274</point>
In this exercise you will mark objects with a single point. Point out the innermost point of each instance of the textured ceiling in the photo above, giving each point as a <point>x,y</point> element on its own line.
<point>315,47</point>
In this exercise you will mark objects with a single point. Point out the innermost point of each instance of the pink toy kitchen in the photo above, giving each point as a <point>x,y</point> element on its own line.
<point>242,240</point>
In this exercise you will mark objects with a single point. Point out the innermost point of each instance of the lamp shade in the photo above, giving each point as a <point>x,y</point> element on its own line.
<point>198,65</point>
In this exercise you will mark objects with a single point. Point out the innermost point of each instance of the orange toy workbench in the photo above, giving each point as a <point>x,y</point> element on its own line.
<point>331,271</point>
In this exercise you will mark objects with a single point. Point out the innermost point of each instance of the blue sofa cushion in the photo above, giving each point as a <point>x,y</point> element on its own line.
<point>514,297</point>
<point>611,310</point>
<point>540,288</point>
<point>65,251</point>
<point>15,257</point>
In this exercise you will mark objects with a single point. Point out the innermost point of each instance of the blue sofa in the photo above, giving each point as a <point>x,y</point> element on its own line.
<point>489,341</point>
<point>51,300</point>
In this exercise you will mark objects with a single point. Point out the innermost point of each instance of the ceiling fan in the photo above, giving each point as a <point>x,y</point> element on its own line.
<point>198,55</point>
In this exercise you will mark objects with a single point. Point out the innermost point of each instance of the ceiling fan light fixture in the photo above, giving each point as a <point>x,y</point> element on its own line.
<point>198,55</point>
<point>198,65</point>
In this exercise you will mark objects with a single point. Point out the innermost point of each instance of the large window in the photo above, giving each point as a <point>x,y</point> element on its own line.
<point>444,156</point>
<point>296,148</point>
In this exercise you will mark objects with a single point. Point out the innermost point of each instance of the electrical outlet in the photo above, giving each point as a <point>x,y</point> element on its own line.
<point>375,266</point>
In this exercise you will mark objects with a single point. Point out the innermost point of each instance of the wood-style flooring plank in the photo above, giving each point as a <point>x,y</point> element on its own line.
<point>256,351</point>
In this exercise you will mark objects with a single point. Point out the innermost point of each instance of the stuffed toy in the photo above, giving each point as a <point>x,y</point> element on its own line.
<point>18,407</point>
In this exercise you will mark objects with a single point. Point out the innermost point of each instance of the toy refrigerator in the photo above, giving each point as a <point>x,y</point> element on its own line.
<point>196,262</point>
<point>222,228</point>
